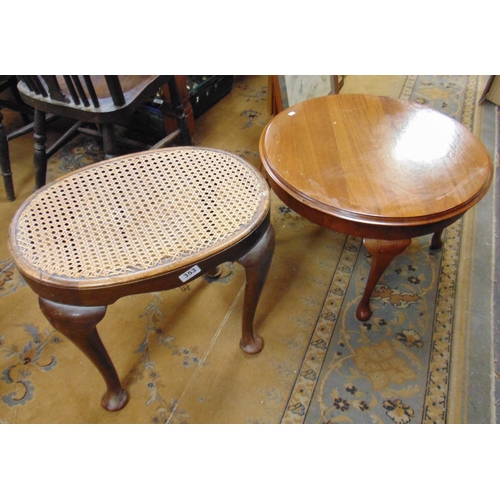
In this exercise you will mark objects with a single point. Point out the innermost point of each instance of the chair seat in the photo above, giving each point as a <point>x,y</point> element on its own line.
<point>128,218</point>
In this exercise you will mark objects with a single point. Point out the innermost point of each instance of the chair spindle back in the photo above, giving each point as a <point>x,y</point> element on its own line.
<point>48,86</point>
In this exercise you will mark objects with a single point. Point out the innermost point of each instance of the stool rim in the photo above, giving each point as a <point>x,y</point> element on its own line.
<point>47,279</point>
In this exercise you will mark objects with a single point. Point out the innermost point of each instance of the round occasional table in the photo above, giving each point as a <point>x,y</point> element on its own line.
<point>382,169</point>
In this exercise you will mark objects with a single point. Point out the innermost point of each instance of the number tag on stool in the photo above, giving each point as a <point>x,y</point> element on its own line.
<point>189,274</point>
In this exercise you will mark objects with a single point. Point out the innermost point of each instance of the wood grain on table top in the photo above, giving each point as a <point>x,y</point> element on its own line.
<point>375,156</point>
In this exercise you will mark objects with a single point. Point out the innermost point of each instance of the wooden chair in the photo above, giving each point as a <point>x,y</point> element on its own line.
<point>99,100</point>
<point>13,102</point>
<point>141,223</point>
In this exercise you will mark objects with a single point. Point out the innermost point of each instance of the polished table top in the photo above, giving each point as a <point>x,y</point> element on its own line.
<point>382,169</point>
<point>374,160</point>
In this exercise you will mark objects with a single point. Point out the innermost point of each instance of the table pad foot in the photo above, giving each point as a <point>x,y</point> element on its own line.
<point>437,241</point>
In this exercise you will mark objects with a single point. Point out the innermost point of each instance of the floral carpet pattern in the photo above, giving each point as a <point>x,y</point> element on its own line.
<point>177,352</point>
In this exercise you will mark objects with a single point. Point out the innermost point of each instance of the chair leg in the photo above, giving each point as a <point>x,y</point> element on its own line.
<point>256,263</point>
<point>5,163</point>
<point>109,140</point>
<point>40,156</point>
<point>178,110</point>
<point>78,324</point>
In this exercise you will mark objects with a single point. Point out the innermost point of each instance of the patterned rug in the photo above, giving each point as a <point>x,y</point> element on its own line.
<point>425,356</point>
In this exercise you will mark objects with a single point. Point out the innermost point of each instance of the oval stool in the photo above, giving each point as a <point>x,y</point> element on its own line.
<point>143,222</point>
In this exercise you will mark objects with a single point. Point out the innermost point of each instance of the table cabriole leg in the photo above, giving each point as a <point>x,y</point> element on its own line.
<point>437,241</point>
<point>78,324</point>
<point>256,263</point>
<point>382,252</point>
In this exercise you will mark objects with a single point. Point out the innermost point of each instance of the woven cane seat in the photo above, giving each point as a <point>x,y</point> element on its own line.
<point>141,223</point>
<point>135,215</point>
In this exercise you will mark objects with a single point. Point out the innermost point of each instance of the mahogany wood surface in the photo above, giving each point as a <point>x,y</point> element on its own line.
<point>375,167</point>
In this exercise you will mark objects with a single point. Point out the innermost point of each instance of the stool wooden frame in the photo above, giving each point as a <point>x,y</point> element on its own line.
<point>166,192</point>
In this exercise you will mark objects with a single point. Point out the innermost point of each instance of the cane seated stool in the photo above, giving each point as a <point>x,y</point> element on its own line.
<point>140,223</point>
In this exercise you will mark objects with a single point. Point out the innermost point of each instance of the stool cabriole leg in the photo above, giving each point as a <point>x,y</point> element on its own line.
<point>78,324</point>
<point>256,263</point>
<point>215,273</point>
<point>382,252</point>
